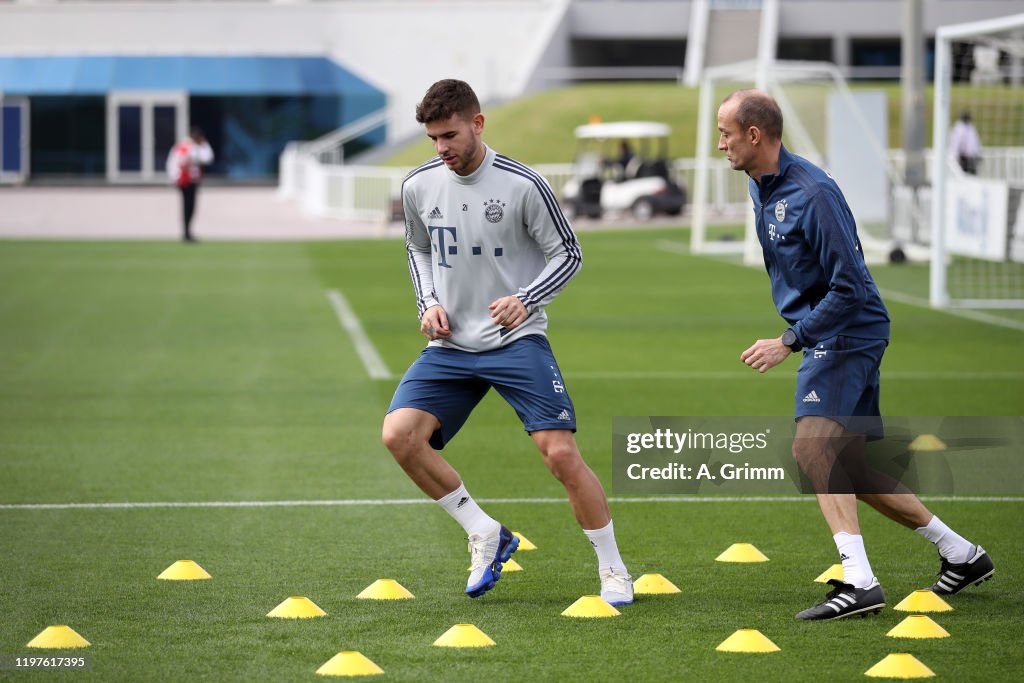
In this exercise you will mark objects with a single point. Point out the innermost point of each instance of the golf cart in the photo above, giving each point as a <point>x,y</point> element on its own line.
<point>620,167</point>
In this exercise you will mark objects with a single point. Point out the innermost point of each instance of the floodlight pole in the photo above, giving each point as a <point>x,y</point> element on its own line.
<point>938,296</point>
<point>912,77</point>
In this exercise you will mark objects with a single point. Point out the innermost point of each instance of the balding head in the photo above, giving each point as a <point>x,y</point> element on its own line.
<point>750,128</point>
<point>758,109</point>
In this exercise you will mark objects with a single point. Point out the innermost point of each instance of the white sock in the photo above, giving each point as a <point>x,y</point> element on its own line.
<point>856,568</point>
<point>952,546</point>
<point>607,549</point>
<point>461,506</point>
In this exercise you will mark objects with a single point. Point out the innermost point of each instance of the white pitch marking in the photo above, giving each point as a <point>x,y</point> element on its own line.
<point>673,247</point>
<point>977,316</point>
<point>372,361</point>
<point>908,299</point>
<point>724,375</point>
<point>370,502</point>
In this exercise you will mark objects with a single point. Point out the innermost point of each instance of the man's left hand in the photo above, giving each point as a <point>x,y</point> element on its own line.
<point>765,354</point>
<point>509,312</point>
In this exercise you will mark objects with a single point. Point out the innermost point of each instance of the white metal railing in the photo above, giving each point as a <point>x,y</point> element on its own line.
<point>312,172</point>
<point>371,192</point>
<point>1004,163</point>
<point>330,148</point>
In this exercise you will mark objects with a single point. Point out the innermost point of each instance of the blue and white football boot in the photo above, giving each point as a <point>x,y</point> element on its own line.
<point>488,554</point>
<point>616,586</point>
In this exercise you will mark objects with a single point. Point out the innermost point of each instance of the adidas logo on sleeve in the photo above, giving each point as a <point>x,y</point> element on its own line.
<point>812,397</point>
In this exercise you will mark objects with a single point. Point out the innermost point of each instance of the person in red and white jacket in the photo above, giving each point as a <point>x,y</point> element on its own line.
<point>185,167</point>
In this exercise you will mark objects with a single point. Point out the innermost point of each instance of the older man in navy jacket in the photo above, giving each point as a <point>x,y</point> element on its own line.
<point>822,288</point>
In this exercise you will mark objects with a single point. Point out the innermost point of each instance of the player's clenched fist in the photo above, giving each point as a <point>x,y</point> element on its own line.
<point>434,323</point>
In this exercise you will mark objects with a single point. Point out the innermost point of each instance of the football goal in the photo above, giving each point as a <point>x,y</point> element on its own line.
<point>844,132</point>
<point>977,218</point>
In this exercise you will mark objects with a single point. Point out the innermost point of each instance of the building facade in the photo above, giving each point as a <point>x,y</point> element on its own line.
<point>100,89</point>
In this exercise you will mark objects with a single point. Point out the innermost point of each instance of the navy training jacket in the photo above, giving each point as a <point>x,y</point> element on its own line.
<point>820,283</point>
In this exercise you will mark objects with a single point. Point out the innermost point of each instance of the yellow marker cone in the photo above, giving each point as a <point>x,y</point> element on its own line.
<point>464,635</point>
<point>524,542</point>
<point>297,607</point>
<point>927,442</point>
<point>385,589</point>
<point>590,606</point>
<point>918,626</point>
<point>184,570</point>
<point>747,640</point>
<point>650,584</point>
<point>58,637</point>
<point>923,601</point>
<point>742,552</point>
<point>833,572</point>
<point>349,663</point>
<point>900,665</point>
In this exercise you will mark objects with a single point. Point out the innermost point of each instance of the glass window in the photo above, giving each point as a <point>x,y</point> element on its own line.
<point>69,135</point>
<point>129,137</point>
<point>805,49</point>
<point>248,134</point>
<point>10,138</point>
<point>875,52</point>
<point>164,117</point>
<point>594,52</point>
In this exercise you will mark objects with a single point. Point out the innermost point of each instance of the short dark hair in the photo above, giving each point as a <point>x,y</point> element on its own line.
<point>760,110</point>
<point>445,99</point>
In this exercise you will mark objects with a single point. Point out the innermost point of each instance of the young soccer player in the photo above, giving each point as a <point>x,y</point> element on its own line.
<point>488,249</point>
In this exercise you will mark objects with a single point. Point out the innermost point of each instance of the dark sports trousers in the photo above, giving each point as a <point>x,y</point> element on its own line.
<point>188,204</point>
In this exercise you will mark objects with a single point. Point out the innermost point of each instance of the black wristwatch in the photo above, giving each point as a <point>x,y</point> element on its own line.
<point>790,340</point>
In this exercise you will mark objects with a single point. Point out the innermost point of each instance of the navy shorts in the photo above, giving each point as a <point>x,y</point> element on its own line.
<point>839,379</point>
<point>449,383</point>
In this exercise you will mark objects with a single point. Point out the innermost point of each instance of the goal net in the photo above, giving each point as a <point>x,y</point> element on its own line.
<point>977,217</point>
<point>844,132</point>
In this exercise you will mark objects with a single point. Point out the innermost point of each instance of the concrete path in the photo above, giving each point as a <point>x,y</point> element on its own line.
<point>154,213</point>
<point>222,213</point>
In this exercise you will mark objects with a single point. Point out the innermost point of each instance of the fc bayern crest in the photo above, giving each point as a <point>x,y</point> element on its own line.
<point>780,211</point>
<point>494,211</point>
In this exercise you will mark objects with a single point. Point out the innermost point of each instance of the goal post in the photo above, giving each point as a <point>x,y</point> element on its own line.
<point>977,212</point>
<point>842,131</point>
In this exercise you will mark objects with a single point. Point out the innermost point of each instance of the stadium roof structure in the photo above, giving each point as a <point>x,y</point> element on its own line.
<point>198,75</point>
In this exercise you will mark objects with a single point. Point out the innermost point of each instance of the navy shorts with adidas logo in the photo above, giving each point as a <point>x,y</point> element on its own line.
<point>449,383</point>
<point>839,378</point>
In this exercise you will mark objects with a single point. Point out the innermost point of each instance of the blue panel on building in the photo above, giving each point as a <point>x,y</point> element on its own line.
<point>98,75</point>
<point>249,106</point>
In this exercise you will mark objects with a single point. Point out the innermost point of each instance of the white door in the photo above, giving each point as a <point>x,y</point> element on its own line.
<point>141,129</point>
<point>14,135</point>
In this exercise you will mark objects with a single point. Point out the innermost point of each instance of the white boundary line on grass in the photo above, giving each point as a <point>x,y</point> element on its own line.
<point>723,375</point>
<point>372,361</point>
<point>977,316</point>
<point>675,247</point>
<point>369,502</point>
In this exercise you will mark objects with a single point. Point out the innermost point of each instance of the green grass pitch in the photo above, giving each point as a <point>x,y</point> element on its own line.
<point>155,372</point>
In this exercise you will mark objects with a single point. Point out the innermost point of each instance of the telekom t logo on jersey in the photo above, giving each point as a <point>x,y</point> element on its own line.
<point>443,238</point>
<point>437,236</point>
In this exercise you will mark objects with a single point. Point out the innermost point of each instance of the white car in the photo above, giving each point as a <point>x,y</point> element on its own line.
<point>622,167</point>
